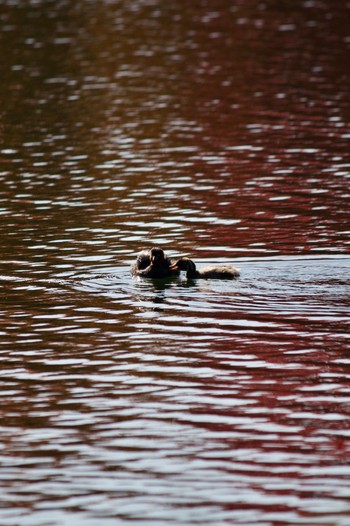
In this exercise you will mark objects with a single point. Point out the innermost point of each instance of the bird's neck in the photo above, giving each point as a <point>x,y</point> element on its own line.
<point>191,270</point>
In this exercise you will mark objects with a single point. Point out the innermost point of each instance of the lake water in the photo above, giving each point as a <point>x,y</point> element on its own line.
<point>216,129</point>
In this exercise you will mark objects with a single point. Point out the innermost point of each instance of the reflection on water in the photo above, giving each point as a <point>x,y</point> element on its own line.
<point>222,400</point>
<point>217,131</point>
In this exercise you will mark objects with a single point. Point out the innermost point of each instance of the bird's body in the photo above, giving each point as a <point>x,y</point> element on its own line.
<point>143,260</point>
<point>153,264</point>
<point>210,272</point>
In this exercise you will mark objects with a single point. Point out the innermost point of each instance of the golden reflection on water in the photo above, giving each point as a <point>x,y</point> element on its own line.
<point>217,131</point>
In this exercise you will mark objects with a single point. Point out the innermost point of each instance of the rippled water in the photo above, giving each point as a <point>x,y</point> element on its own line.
<point>215,129</point>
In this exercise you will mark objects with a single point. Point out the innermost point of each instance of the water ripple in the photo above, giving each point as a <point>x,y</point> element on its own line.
<point>221,133</point>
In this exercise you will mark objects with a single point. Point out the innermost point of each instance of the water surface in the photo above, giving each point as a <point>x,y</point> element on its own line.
<point>211,129</point>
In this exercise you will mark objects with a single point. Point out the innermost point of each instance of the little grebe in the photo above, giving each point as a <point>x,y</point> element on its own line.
<point>153,264</point>
<point>211,272</point>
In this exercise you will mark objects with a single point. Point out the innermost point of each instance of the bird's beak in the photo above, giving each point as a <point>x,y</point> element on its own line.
<point>174,267</point>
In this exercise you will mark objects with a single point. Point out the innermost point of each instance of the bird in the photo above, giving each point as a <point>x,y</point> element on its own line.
<point>142,261</point>
<point>211,272</point>
<point>153,263</point>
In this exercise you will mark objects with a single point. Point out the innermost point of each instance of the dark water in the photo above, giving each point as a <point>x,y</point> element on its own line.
<point>215,129</point>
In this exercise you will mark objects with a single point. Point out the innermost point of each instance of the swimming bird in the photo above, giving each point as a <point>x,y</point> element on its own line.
<point>210,272</point>
<point>142,261</point>
<point>153,264</point>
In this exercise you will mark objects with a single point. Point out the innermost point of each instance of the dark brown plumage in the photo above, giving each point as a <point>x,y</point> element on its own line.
<point>210,272</point>
<point>153,264</point>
